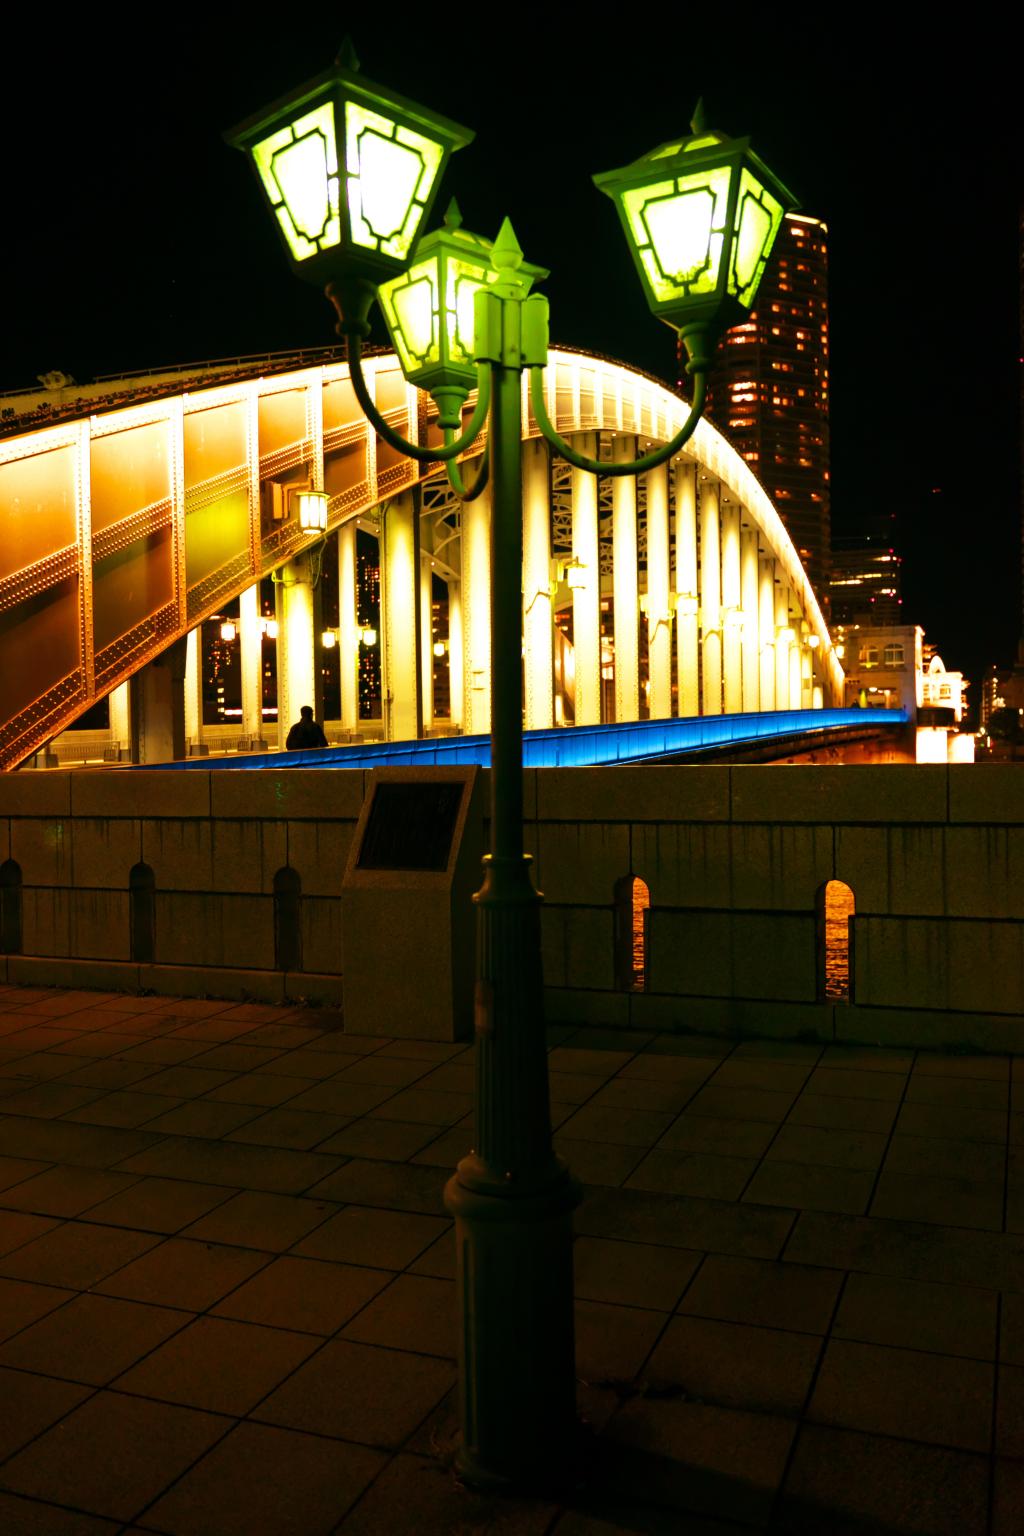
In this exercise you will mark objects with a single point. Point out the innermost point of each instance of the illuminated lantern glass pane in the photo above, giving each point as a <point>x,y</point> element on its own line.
<point>679,228</point>
<point>701,215</point>
<point>410,309</point>
<point>464,281</point>
<point>391,175</point>
<point>298,167</point>
<point>430,311</point>
<point>758,219</point>
<point>312,511</point>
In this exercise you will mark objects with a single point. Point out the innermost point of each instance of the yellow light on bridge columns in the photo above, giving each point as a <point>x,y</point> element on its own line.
<point>329,639</point>
<point>575,573</point>
<point>228,630</point>
<point>312,509</point>
<point>440,648</point>
<point>368,636</point>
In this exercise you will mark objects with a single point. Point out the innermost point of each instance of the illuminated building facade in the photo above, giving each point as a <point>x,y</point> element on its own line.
<point>892,667</point>
<point>864,583</point>
<point>769,389</point>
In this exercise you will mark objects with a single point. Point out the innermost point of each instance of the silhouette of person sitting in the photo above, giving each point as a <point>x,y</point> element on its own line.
<point>305,732</point>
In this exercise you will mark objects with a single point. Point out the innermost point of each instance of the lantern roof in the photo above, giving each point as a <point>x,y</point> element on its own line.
<point>345,72</point>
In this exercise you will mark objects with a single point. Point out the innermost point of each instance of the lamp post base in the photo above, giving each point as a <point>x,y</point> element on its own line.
<point>517,1380</point>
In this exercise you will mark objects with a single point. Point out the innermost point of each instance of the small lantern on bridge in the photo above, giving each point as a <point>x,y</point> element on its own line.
<point>312,507</point>
<point>701,215</point>
<point>575,574</point>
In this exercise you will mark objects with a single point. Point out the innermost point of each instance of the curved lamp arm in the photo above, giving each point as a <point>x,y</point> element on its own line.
<point>455,479</point>
<point>421,453</point>
<point>632,466</point>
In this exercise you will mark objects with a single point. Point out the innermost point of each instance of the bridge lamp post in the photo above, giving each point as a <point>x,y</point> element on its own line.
<point>349,171</point>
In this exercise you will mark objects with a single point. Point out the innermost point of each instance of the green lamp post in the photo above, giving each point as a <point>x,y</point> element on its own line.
<point>700,214</point>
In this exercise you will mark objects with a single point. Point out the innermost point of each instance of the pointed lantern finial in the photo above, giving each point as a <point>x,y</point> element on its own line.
<point>506,252</point>
<point>699,121</point>
<point>347,57</point>
<point>453,215</point>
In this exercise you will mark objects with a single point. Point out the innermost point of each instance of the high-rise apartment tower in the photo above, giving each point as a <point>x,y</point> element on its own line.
<point>769,389</point>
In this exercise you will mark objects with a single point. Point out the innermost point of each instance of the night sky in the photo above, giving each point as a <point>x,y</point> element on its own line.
<point>135,237</point>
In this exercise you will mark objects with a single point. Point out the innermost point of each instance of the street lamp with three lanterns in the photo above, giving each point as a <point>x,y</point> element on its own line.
<point>350,172</point>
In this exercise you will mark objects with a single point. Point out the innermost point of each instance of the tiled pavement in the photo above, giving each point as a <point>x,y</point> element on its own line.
<point>226,1297</point>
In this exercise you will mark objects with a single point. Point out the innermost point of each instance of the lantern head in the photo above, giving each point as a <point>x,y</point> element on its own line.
<point>700,215</point>
<point>429,308</point>
<point>312,506</point>
<point>349,171</point>
<point>575,574</point>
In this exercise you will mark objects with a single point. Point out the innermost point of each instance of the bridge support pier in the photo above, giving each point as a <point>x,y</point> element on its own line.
<point>766,631</point>
<point>120,706</point>
<point>400,605</point>
<point>250,641</point>
<point>158,708</point>
<point>426,628</point>
<point>783,644</point>
<point>732,640</point>
<point>456,655</point>
<point>749,600</point>
<point>194,692</point>
<point>538,609</point>
<point>586,598</point>
<point>624,586</point>
<point>296,671</point>
<point>710,598</point>
<point>659,609</point>
<point>687,607</point>
<point>796,686</point>
<point>476,615</point>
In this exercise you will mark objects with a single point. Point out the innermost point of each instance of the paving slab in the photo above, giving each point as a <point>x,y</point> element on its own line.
<point>262,1478</point>
<point>228,1298</point>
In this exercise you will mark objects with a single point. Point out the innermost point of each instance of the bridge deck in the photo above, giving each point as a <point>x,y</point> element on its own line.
<point>575,746</point>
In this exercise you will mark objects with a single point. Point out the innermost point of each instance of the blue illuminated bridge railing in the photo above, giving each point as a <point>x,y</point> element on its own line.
<point>585,746</point>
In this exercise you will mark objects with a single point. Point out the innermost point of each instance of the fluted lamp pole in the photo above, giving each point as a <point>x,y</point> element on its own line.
<point>349,171</point>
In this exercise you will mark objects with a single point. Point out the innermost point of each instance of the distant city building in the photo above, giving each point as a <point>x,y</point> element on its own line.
<point>1001,714</point>
<point>884,665</point>
<point>891,667</point>
<point>769,390</point>
<point>864,584</point>
<point>942,690</point>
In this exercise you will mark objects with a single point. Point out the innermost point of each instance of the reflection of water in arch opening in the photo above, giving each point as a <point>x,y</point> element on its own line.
<point>839,909</point>
<point>641,902</point>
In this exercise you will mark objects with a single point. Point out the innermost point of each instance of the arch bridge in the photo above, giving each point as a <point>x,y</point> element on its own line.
<point>122,529</point>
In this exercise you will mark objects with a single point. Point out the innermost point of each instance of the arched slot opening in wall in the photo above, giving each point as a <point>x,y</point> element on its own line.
<point>632,902</point>
<point>142,913</point>
<point>10,908</point>
<point>288,920</point>
<point>836,910</point>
